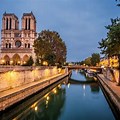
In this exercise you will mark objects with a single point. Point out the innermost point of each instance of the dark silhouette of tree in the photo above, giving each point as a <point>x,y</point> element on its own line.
<point>95,59</point>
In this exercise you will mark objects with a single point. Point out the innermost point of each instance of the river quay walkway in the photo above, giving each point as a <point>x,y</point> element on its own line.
<point>14,95</point>
<point>112,90</point>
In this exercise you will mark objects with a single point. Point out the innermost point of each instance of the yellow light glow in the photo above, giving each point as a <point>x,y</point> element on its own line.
<point>47,72</point>
<point>48,97</point>
<point>59,70</point>
<point>11,62</point>
<point>3,61</point>
<point>46,102</point>
<point>18,62</point>
<point>36,108</point>
<point>59,86</point>
<point>35,104</point>
<point>54,71</point>
<point>45,63</point>
<point>55,91</point>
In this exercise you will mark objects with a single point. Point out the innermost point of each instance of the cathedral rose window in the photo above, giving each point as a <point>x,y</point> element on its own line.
<point>17,43</point>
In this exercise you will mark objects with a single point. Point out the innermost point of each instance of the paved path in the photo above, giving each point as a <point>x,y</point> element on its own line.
<point>113,93</point>
<point>112,85</point>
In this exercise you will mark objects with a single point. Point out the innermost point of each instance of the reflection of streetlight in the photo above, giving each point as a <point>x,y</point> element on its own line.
<point>84,87</point>
<point>68,85</point>
<point>55,91</point>
<point>48,98</point>
<point>36,108</point>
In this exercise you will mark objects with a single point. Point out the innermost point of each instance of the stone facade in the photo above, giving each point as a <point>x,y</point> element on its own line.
<point>17,44</point>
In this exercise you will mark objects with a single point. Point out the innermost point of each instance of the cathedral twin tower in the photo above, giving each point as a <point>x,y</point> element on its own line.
<point>17,44</point>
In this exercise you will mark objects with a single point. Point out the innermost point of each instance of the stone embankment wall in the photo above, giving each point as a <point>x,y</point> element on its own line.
<point>111,74</point>
<point>17,84</point>
<point>11,77</point>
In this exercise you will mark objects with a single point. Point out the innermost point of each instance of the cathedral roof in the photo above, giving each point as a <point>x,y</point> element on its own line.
<point>10,14</point>
<point>29,14</point>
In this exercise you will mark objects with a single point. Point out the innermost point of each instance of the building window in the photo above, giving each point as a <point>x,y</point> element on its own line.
<point>17,43</point>
<point>28,45</point>
<point>29,24</point>
<point>10,23</point>
<point>6,45</point>
<point>7,24</point>
<point>26,24</point>
<point>9,45</point>
<point>25,45</point>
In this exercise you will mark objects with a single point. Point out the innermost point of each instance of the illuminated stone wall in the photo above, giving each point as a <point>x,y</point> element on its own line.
<point>112,74</point>
<point>24,75</point>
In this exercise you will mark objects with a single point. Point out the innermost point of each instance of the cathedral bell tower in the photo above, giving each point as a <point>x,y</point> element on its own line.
<point>17,44</point>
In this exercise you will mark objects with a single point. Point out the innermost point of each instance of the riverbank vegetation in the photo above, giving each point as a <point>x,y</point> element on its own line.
<point>49,48</point>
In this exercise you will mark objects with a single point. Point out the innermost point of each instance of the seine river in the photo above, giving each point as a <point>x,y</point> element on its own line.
<point>75,98</point>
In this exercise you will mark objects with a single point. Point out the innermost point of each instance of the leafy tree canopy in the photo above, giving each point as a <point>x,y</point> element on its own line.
<point>50,47</point>
<point>95,59</point>
<point>111,45</point>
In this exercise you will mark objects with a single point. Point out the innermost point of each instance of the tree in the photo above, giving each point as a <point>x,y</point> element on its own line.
<point>111,45</point>
<point>50,47</point>
<point>29,62</point>
<point>50,58</point>
<point>87,61</point>
<point>41,48</point>
<point>95,59</point>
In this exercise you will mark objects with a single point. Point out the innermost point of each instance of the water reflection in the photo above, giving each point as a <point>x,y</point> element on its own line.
<point>66,100</point>
<point>39,106</point>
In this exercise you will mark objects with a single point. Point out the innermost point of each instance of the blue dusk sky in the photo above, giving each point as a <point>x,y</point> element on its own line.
<point>79,22</point>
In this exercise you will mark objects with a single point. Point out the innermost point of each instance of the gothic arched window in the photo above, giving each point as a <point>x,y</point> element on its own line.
<point>9,45</point>
<point>29,24</point>
<point>10,23</point>
<point>26,24</point>
<point>6,45</point>
<point>25,45</point>
<point>28,45</point>
<point>7,24</point>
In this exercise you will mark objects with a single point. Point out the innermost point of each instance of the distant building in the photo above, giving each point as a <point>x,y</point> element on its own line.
<point>17,44</point>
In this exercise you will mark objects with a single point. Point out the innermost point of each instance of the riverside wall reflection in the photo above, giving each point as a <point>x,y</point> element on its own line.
<point>41,101</point>
<point>76,98</point>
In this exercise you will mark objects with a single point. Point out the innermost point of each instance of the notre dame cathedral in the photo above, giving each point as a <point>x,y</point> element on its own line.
<point>17,44</point>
